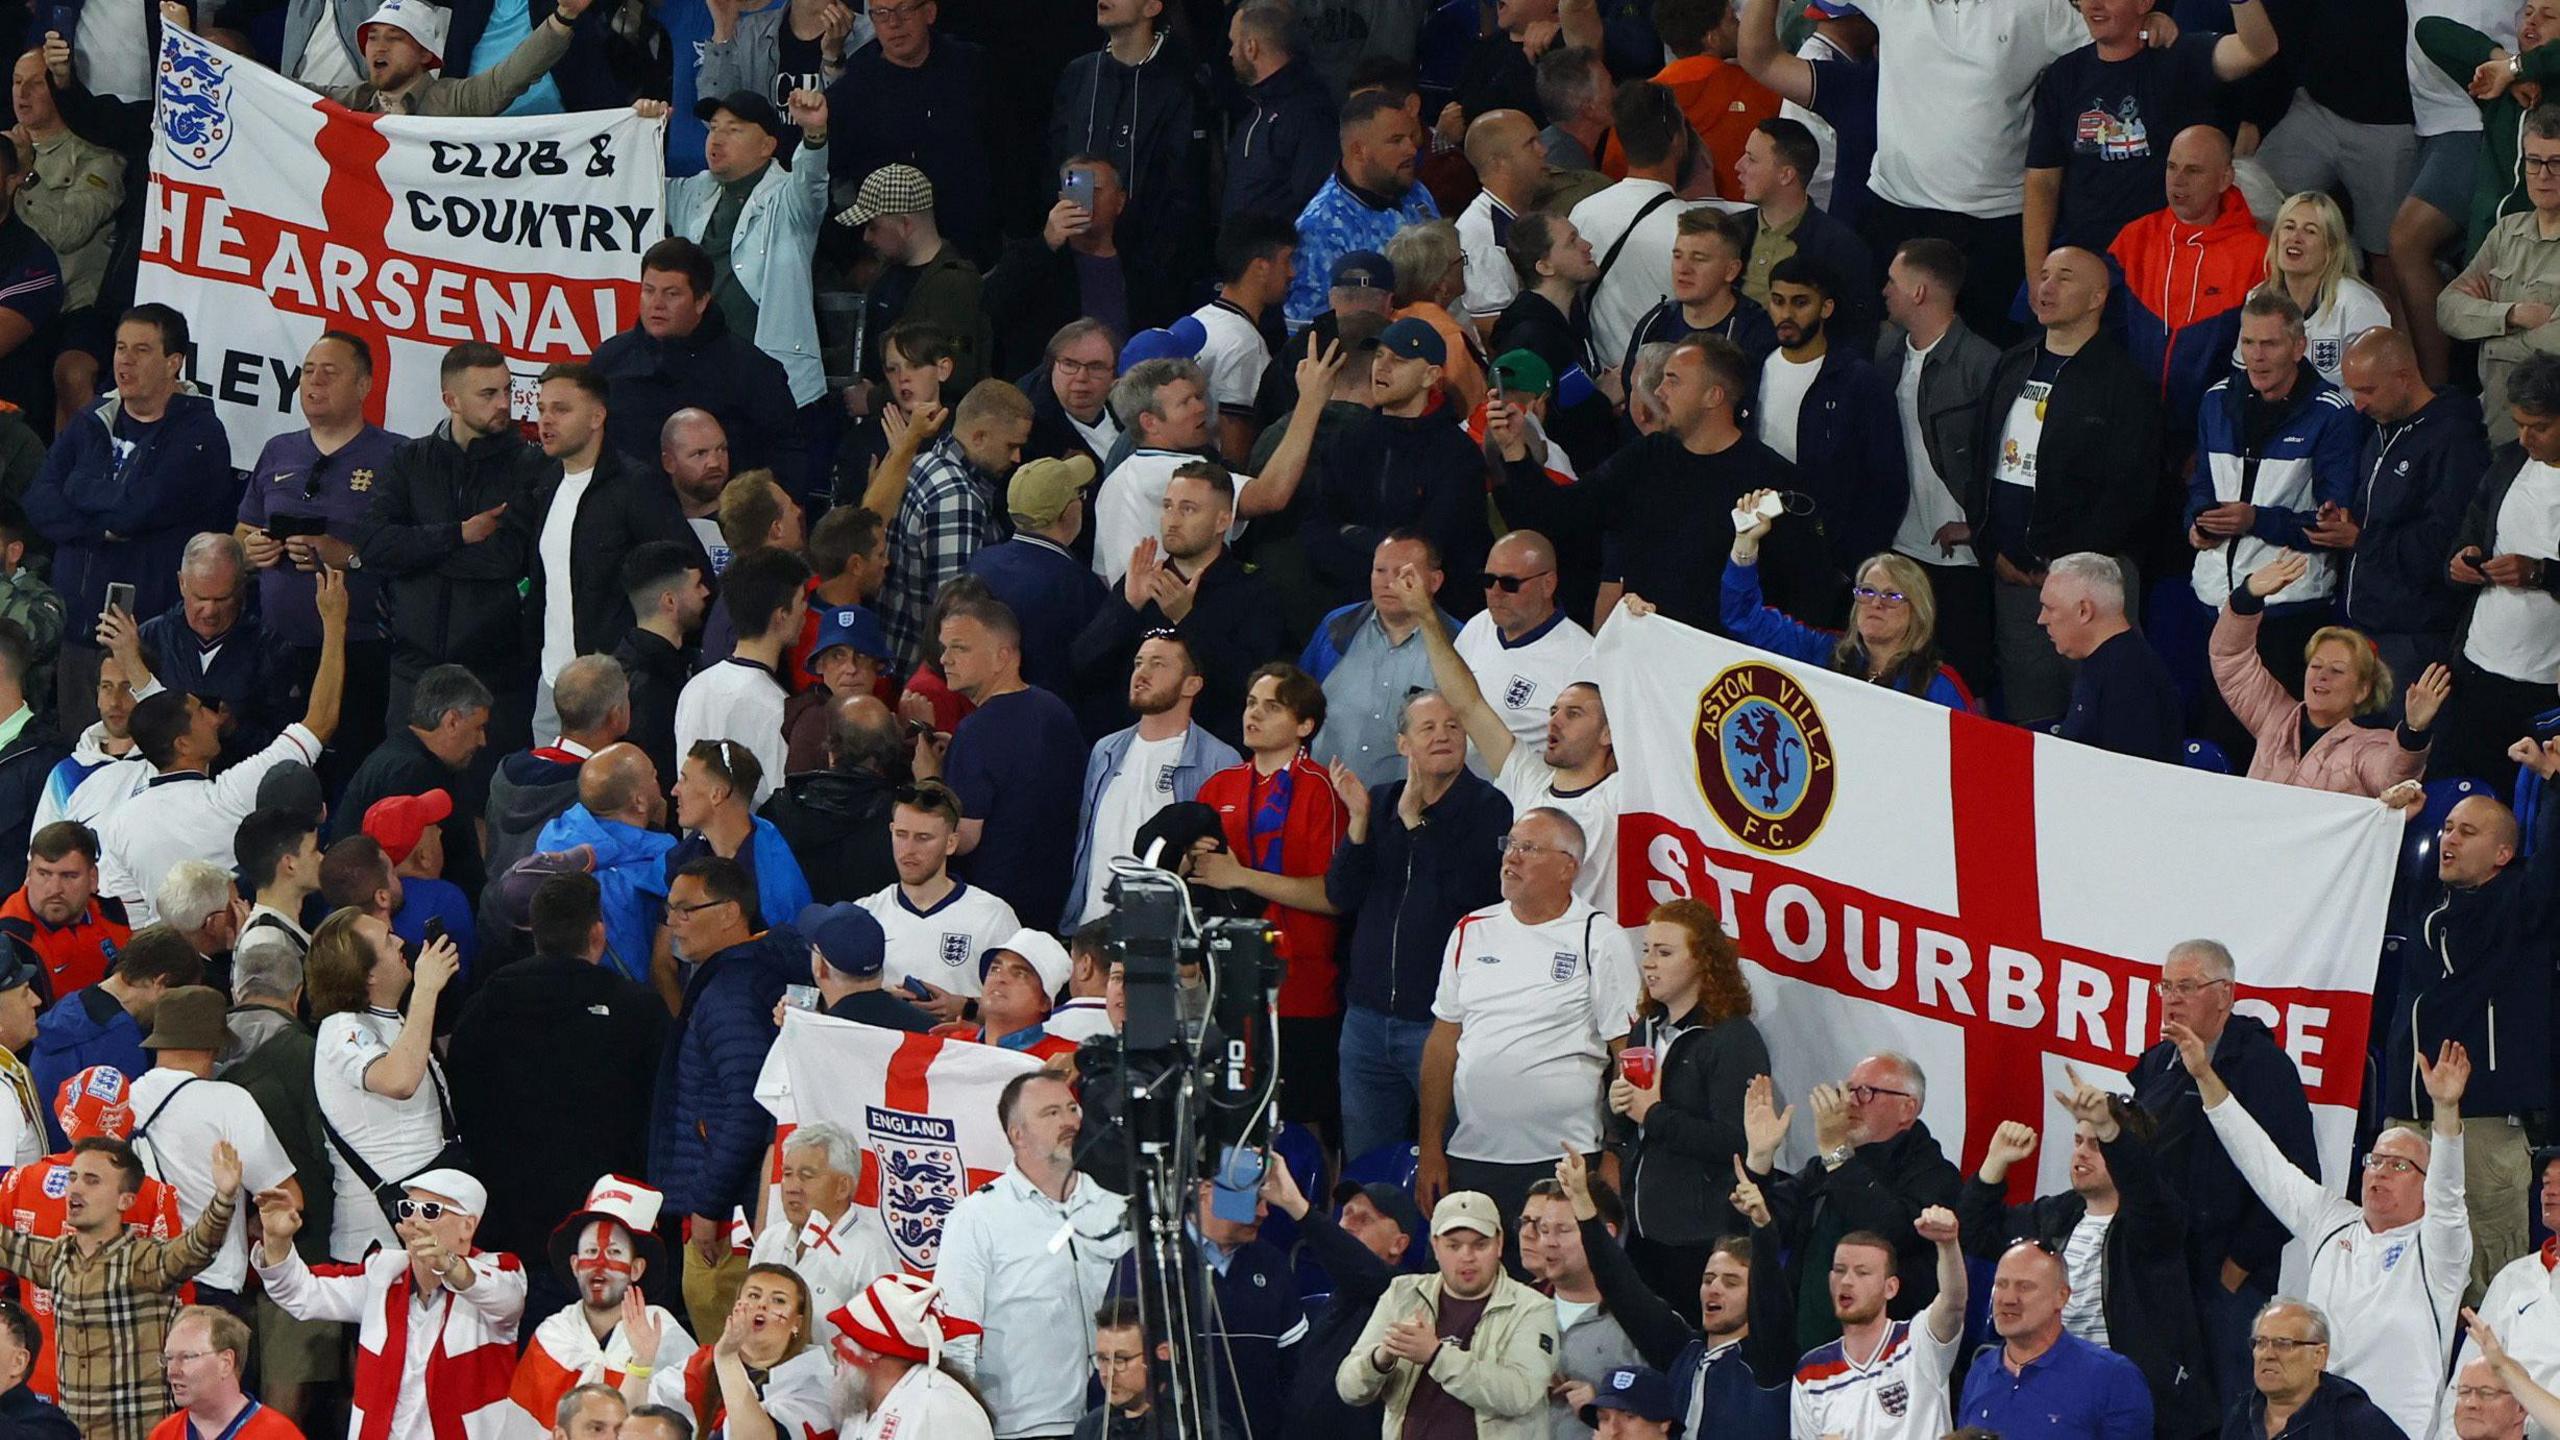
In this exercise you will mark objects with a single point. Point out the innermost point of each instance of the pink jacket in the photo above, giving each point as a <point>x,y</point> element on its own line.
<point>2351,759</point>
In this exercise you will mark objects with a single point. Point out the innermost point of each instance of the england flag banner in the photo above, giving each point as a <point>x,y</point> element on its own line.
<point>922,1108</point>
<point>1991,901</point>
<point>276,214</point>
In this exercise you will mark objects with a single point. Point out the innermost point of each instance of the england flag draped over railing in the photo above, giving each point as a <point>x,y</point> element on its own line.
<point>1992,901</point>
<point>922,1108</point>
<point>276,214</point>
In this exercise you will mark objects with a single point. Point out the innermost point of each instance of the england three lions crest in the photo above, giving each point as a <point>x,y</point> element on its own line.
<point>1764,755</point>
<point>921,1178</point>
<point>195,104</point>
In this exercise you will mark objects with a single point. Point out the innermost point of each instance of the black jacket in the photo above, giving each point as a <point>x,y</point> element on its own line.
<point>2480,972</point>
<point>553,1063</point>
<point>1053,435</point>
<point>657,672</point>
<point>2414,483</point>
<point>403,765</point>
<point>445,601</point>
<point>1033,290</point>
<point>2338,1410</point>
<point>627,505</point>
<point>1360,1279</point>
<point>1881,1187</point>
<point>26,763</point>
<point>1849,457</point>
<point>649,379</point>
<point>2150,1302</point>
<point>1395,473</point>
<point>936,117</point>
<point>1675,1160</point>
<point>25,1415</point>
<point>1284,144</point>
<point>2225,1218</point>
<point>1233,629</point>
<point>1409,888</point>
<point>2098,465</point>
<point>277,1075</point>
<point>837,823</point>
<point>1151,120</point>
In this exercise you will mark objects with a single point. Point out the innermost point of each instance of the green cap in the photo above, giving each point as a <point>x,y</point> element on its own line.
<point>1523,373</point>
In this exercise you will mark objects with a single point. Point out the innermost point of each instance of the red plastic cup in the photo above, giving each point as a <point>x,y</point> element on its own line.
<point>1636,1063</point>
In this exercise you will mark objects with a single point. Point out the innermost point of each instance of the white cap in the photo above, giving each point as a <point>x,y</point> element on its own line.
<point>1048,958</point>
<point>468,1195</point>
<point>427,24</point>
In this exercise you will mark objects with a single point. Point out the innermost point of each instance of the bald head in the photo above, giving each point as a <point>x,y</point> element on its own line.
<point>2070,288</point>
<point>862,735</point>
<point>2199,171</point>
<point>2380,374</point>
<point>1528,547</point>
<point>1503,143</point>
<point>619,782</point>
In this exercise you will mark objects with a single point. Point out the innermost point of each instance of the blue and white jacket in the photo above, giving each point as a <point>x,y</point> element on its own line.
<point>1338,221</point>
<point>1202,755</point>
<point>2307,460</point>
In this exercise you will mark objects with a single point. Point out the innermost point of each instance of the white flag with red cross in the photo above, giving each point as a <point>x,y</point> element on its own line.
<point>1991,901</point>
<point>923,1109</point>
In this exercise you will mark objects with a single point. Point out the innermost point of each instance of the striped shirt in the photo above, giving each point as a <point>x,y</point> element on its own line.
<point>1899,1394</point>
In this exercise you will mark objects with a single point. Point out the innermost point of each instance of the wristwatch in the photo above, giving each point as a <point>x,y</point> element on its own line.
<point>1835,1157</point>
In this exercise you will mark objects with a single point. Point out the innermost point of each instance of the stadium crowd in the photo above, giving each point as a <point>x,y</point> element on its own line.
<point>1058,435</point>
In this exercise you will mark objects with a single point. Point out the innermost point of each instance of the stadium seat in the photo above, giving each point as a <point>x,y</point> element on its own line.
<point>1395,1164</point>
<point>2205,755</point>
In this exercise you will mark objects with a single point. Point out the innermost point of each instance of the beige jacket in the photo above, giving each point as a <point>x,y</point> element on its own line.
<point>2520,266</point>
<point>487,93</point>
<point>1501,1373</point>
<point>71,201</point>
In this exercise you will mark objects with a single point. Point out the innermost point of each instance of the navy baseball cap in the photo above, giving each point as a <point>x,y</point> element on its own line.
<point>20,969</point>
<point>1414,340</point>
<point>851,625</point>
<point>1388,1200</point>
<point>847,935</point>
<point>1184,339</point>
<point>1644,1394</point>
<point>1363,270</point>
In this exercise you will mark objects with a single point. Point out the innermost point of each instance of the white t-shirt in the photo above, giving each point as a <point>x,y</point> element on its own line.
<point>1828,139</point>
<point>1901,1394</point>
<point>1932,503</point>
<point>2515,629</point>
<point>1954,98</point>
<point>1233,358</point>
<point>1540,1004</point>
<point>1783,383</point>
<point>1520,679</point>
<point>325,62</point>
<point>1131,796</point>
<point>1529,782</point>
<point>2436,100</point>
<point>1130,507</point>
<point>2084,1258</point>
<point>940,946</point>
<point>177,1150</point>
<point>2022,435</point>
<point>1641,279</point>
<point>1101,435</point>
<point>559,597</point>
<point>1491,283</point>
<point>398,1138</point>
<point>707,530</point>
<point>738,700</point>
<point>114,48</point>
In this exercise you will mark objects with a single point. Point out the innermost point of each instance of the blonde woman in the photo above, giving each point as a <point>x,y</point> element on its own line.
<point>2322,741</point>
<point>1892,639</point>
<point>2311,258</point>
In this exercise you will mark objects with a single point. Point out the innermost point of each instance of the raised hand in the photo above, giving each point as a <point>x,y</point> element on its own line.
<point>642,1330</point>
<point>2448,1076</point>
<point>1747,1200</point>
<point>1746,539</point>
<point>808,110</point>
<point>2089,1105</point>
<point>1354,794</point>
<point>279,1220</point>
<point>1316,373</point>
<point>2197,1056</point>
<point>2426,697</point>
<point>1830,1116</point>
<point>1574,1174</point>
<point>2484,1338</point>
<point>1280,1190</point>
<point>2287,567</point>
<point>1937,1225</point>
<point>226,1169</point>
<point>733,1332</point>
<point>1764,1125</point>
<point>1138,587</point>
<point>329,597</point>
<point>2012,1142</point>
<point>437,965</point>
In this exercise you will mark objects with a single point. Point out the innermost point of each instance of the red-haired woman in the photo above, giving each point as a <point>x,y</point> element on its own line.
<point>1696,1017</point>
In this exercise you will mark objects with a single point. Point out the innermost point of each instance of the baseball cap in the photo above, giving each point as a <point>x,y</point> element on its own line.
<point>1523,373</point>
<point>1048,958</point>
<point>1363,270</point>
<point>851,625</point>
<point>398,822</point>
<point>1831,10</point>
<point>1640,1392</point>
<point>889,190</point>
<point>1415,340</point>
<point>1182,340</point>
<point>189,1018</point>
<point>20,967</point>
<point>424,23</point>
<point>292,786</point>
<point>752,107</point>
<point>847,935</point>
<point>1041,490</point>
<point>1388,1200</point>
<point>1467,1210</point>
<point>468,1195</point>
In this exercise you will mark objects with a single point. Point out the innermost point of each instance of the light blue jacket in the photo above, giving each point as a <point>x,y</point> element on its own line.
<point>630,869</point>
<point>1202,756</point>
<point>777,233</point>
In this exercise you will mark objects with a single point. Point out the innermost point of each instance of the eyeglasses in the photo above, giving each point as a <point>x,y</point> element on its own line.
<point>1866,1094</point>
<point>673,909</point>
<point>2283,1345</point>
<point>1076,367</point>
<point>435,1209</point>
<point>1886,598</point>
<point>1510,584</point>
<point>1509,846</point>
<point>2541,164</point>
<point>177,1358</point>
<point>898,12</point>
<point>2392,1165</point>
<point>2181,989</point>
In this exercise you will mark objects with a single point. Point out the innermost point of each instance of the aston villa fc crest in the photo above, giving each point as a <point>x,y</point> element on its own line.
<point>1764,757</point>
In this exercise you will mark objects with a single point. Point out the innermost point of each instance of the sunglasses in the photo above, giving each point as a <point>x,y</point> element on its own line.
<point>928,793</point>
<point>423,1210</point>
<point>1510,584</point>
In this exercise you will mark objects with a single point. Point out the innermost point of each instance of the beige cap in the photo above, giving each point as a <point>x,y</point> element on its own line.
<point>1467,1210</point>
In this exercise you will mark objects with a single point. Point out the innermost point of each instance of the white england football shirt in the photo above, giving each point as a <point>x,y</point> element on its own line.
<point>1520,679</point>
<point>1540,1004</point>
<point>1899,1394</point>
<point>1234,356</point>
<point>941,946</point>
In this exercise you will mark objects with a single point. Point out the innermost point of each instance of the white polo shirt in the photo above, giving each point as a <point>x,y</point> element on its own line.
<point>1521,678</point>
<point>1129,507</point>
<point>1954,101</point>
<point>1899,1395</point>
<point>1540,1004</point>
<point>941,946</point>
<point>176,1149</point>
<point>736,700</point>
<point>1529,782</point>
